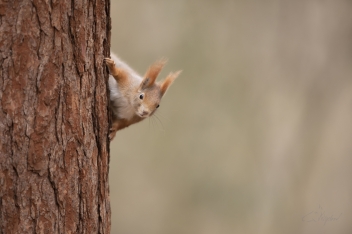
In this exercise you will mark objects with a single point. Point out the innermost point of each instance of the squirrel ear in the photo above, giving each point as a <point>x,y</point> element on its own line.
<point>153,72</point>
<point>168,81</point>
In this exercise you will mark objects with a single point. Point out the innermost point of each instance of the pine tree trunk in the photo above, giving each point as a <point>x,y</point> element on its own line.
<point>54,118</point>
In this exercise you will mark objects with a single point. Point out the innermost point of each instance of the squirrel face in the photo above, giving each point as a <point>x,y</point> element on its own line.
<point>147,101</point>
<point>149,93</point>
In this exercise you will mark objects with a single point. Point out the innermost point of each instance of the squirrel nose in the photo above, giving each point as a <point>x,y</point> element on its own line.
<point>145,113</point>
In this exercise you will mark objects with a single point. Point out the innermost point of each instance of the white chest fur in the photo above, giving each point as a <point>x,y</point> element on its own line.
<point>120,105</point>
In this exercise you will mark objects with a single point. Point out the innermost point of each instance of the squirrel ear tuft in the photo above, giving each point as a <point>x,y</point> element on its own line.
<point>168,81</point>
<point>153,72</point>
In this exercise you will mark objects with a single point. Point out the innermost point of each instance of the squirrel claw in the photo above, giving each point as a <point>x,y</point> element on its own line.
<point>109,61</point>
<point>112,134</point>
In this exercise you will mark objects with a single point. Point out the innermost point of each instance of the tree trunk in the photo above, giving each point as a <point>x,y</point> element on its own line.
<point>54,118</point>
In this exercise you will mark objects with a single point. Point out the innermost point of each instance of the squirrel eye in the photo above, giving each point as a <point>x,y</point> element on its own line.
<point>157,106</point>
<point>141,96</point>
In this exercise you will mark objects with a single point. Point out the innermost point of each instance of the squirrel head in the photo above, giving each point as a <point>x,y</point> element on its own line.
<point>150,92</point>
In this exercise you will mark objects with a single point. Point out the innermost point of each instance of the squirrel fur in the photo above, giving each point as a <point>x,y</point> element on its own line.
<point>133,97</point>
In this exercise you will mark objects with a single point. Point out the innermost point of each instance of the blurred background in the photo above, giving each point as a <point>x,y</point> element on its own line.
<point>255,135</point>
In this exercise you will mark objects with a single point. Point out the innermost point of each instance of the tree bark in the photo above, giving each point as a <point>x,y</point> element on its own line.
<point>54,118</point>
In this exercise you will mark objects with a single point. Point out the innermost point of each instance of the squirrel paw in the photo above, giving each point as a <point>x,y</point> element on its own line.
<point>109,62</point>
<point>112,134</point>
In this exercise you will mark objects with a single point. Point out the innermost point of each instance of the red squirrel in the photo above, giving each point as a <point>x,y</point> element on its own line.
<point>133,97</point>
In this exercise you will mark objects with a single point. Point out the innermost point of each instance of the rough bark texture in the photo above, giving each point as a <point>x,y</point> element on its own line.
<point>54,120</point>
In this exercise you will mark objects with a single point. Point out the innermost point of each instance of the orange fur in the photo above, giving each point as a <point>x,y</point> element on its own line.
<point>121,77</point>
<point>120,74</point>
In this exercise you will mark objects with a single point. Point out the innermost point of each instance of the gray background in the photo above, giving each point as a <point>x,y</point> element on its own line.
<point>255,133</point>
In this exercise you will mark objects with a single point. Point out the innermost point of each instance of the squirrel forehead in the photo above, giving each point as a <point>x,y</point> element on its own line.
<point>152,89</point>
<point>152,93</point>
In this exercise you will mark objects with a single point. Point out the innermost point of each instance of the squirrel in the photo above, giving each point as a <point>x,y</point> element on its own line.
<point>132,97</point>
